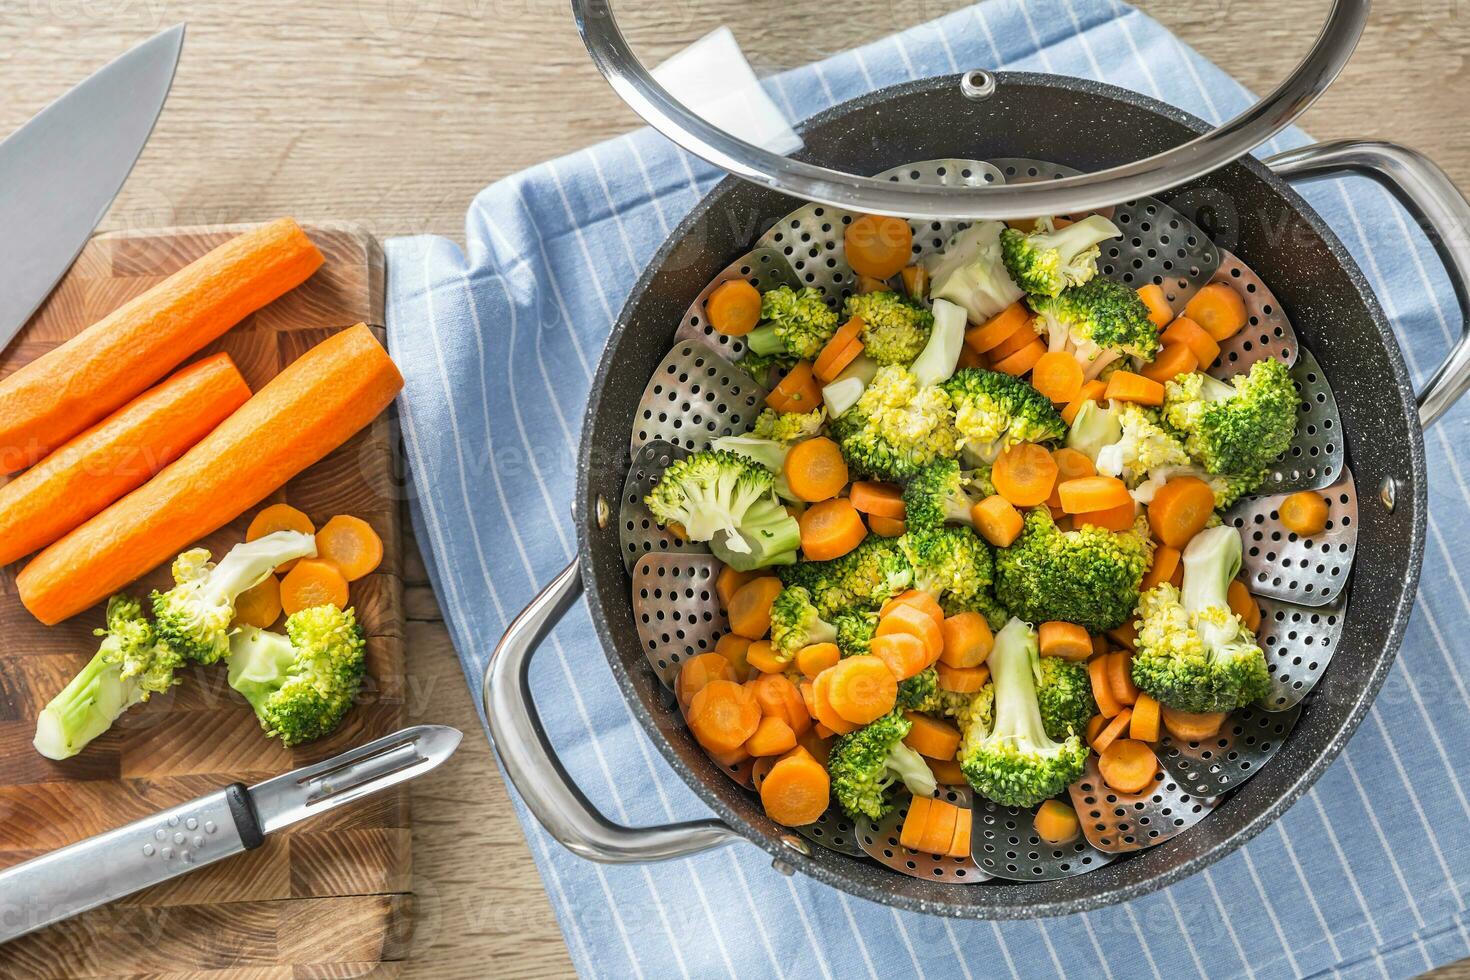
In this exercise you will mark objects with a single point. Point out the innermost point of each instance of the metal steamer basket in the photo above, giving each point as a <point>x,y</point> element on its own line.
<point>942,152</point>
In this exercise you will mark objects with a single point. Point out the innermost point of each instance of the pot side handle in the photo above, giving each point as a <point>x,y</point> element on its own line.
<point>532,764</point>
<point>1441,211</point>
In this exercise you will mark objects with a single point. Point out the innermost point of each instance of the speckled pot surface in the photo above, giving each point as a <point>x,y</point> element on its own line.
<point>1246,209</point>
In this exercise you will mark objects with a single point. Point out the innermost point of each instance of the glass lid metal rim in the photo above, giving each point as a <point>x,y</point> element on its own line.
<point>614,57</point>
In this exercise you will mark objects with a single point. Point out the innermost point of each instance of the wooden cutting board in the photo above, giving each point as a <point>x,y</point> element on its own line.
<point>329,897</point>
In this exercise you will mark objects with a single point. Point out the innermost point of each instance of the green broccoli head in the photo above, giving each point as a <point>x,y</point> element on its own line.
<point>1016,763</point>
<point>788,427</point>
<point>194,616</point>
<point>867,763</point>
<point>1087,576</point>
<point>973,714</point>
<point>994,411</point>
<point>729,500</point>
<point>941,493</point>
<point>895,330</point>
<point>1064,692</point>
<point>896,427</point>
<point>1145,445</point>
<point>301,684</point>
<point>1098,322</point>
<point>855,630</point>
<point>1236,428</point>
<point>795,622</point>
<point>920,692</point>
<point>795,323</point>
<point>1048,260</point>
<point>1193,653</point>
<point>949,562</point>
<point>129,666</point>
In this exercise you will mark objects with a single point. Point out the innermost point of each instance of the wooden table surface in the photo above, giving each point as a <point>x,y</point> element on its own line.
<point>395,112</point>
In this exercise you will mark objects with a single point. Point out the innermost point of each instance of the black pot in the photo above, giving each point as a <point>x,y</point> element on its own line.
<point>1089,126</point>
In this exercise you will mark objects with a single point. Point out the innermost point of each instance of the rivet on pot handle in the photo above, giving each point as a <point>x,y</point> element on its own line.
<point>536,772</point>
<point>1441,210</point>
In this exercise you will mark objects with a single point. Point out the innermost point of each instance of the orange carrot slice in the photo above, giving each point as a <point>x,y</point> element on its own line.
<point>313,582</point>
<point>815,470</point>
<point>1218,309</point>
<point>351,544</point>
<point>1024,474</point>
<point>733,307</point>
<point>877,245</point>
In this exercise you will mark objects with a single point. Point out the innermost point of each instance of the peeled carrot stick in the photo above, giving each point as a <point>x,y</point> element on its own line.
<point>312,407</point>
<point>116,456</point>
<point>101,369</point>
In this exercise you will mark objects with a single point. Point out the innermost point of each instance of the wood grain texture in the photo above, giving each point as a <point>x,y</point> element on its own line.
<point>396,112</point>
<point>353,869</point>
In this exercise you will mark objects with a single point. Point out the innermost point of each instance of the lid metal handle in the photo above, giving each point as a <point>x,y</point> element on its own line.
<point>632,81</point>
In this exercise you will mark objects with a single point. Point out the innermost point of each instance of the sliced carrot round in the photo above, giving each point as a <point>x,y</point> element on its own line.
<point>1304,513</point>
<point>351,544</point>
<point>260,606</point>
<point>914,597</point>
<point>1128,765</point>
<point>1024,474</point>
<point>723,714</point>
<point>1180,509</point>
<point>1173,360</point>
<point>1192,726</point>
<point>999,328</point>
<point>877,245</point>
<point>902,653</point>
<point>1244,605</point>
<point>1218,309</point>
<point>907,618</point>
<point>750,606</point>
<point>1085,494</point>
<point>861,689</point>
<point>1056,823</point>
<point>1185,331</point>
<point>1157,302</point>
<point>733,307</point>
<point>878,499</point>
<point>1166,559</point>
<point>1058,376</point>
<point>967,640</point>
<point>1125,386</point>
<point>312,583</point>
<point>886,527</point>
<point>279,517</point>
<point>698,671</point>
<point>797,791</point>
<point>831,529</point>
<point>815,470</point>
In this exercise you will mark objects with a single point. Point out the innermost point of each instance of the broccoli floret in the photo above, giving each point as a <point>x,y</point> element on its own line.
<point>896,427</point>
<point>728,500</point>
<point>941,493</point>
<point>1087,576</point>
<point>795,623</point>
<point>788,427</point>
<point>971,272</point>
<point>194,616</point>
<point>1098,323</point>
<point>949,562</point>
<point>894,329</point>
<point>1064,693</point>
<point>1193,653</point>
<point>795,323</point>
<point>920,692</point>
<point>129,666</point>
<point>863,579</point>
<point>973,714</point>
<point>855,631</point>
<point>1015,763</point>
<point>1145,446</point>
<point>1237,428</point>
<point>995,411</point>
<point>1048,260</point>
<point>300,684</point>
<point>866,764</point>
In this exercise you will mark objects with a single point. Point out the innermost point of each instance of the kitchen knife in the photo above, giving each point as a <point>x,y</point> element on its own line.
<point>60,171</point>
<point>174,842</point>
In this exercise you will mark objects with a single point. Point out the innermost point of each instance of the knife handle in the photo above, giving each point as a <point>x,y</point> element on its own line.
<point>122,861</point>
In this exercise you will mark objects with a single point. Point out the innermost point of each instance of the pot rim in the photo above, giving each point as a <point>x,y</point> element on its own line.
<point>1397,623</point>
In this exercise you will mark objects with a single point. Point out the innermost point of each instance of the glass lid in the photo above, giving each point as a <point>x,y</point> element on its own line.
<point>731,98</point>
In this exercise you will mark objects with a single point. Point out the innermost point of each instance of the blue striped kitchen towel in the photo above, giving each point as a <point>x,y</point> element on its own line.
<point>499,343</point>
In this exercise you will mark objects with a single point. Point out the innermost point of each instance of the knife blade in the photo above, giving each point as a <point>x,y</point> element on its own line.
<point>60,172</point>
<point>191,835</point>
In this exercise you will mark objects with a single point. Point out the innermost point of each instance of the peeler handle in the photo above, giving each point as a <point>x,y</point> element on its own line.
<point>532,764</point>
<point>146,852</point>
<point>1440,209</point>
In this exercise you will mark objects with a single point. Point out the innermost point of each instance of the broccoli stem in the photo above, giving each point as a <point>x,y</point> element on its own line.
<point>85,708</point>
<point>1077,237</point>
<point>912,769</point>
<point>258,662</point>
<point>765,341</point>
<point>1212,559</point>
<point>1013,669</point>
